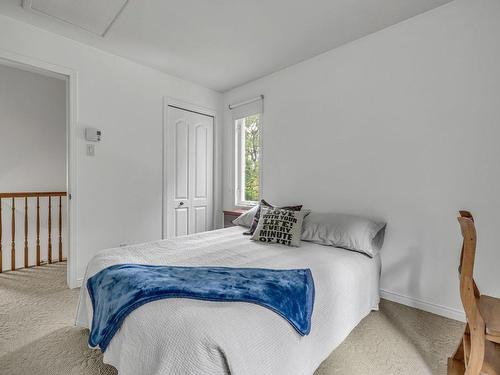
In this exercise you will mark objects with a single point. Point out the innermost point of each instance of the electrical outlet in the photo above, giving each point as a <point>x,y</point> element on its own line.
<point>90,149</point>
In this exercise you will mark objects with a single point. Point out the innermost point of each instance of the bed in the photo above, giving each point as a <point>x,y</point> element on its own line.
<point>183,336</point>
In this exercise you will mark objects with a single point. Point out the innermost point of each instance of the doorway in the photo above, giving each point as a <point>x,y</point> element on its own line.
<point>188,172</point>
<point>36,180</point>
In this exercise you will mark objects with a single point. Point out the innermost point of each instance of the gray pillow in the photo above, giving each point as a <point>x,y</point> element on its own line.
<point>280,226</point>
<point>246,218</point>
<point>342,230</point>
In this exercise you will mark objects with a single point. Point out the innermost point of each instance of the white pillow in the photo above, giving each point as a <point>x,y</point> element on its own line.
<point>279,226</point>
<point>342,230</point>
<point>246,218</point>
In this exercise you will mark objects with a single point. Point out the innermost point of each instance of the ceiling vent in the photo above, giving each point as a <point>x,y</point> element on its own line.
<point>94,16</point>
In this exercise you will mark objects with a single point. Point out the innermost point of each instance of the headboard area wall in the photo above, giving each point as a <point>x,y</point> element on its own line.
<point>402,124</point>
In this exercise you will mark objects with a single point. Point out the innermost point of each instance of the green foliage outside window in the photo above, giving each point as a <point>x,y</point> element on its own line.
<point>252,151</point>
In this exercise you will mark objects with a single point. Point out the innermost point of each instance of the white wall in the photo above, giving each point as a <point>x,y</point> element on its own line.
<point>33,131</point>
<point>403,124</point>
<point>32,154</point>
<point>119,190</point>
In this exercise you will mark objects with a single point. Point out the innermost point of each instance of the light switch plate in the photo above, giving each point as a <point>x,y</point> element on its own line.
<point>90,149</point>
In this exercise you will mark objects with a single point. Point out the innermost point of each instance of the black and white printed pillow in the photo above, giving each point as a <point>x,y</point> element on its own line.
<point>277,225</point>
<point>263,204</point>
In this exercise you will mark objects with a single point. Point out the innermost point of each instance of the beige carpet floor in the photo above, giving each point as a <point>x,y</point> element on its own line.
<point>37,335</point>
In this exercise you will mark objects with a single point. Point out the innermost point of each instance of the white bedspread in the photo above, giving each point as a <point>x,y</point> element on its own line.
<point>182,336</point>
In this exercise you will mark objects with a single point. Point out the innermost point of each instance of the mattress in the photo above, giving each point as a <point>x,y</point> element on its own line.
<point>183,336</point>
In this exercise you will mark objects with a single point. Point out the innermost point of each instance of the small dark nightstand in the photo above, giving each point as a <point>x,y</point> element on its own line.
<point>230,215</point>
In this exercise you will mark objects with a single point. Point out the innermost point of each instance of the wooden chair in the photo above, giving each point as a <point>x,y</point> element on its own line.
<point>479,350</point>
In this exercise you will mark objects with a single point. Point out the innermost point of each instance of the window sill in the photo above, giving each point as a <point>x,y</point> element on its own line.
<point>246,205</point>
<point>235,212</point>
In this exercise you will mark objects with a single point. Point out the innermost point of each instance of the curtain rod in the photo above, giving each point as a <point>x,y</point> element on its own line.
<point>233,106</point>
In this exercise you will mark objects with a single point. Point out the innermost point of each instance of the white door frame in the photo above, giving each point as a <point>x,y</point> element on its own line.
<point>33,64</point>
<point>168,101</point>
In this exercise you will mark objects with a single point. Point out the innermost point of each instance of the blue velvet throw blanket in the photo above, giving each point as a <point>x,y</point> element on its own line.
<point>117,290</point>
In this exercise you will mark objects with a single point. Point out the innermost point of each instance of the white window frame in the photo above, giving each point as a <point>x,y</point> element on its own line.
<point>239,166</point>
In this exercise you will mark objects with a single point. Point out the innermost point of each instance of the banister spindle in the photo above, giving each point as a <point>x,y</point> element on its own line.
<point>60,230</point>
<point>49,250</point>
<point>1,265</point>
<point>27,241</point>
<point>13,248</point>
<point>37,231</point>
<point>25,232</point>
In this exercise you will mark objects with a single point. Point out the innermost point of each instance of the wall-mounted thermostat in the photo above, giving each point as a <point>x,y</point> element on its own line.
<point>92,134</point>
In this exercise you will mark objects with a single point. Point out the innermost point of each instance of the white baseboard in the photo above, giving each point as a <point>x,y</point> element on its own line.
<point>423,305</point>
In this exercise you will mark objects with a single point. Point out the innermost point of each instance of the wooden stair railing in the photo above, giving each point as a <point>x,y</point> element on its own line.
<point>37,195</point>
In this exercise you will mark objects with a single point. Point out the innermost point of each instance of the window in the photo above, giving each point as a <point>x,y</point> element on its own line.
<point>248,155</point>
<point>247,120</point>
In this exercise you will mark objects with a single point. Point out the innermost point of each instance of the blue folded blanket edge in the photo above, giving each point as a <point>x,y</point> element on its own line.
<point>109,334</point>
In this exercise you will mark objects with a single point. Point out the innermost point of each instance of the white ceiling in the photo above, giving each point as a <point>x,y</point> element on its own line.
<point>95,16</point>
<point>220,44</point>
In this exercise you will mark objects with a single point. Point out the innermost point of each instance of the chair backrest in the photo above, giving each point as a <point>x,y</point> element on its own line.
<point>468,247</point>
<point>468,215</point>
<point>468,289</point>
